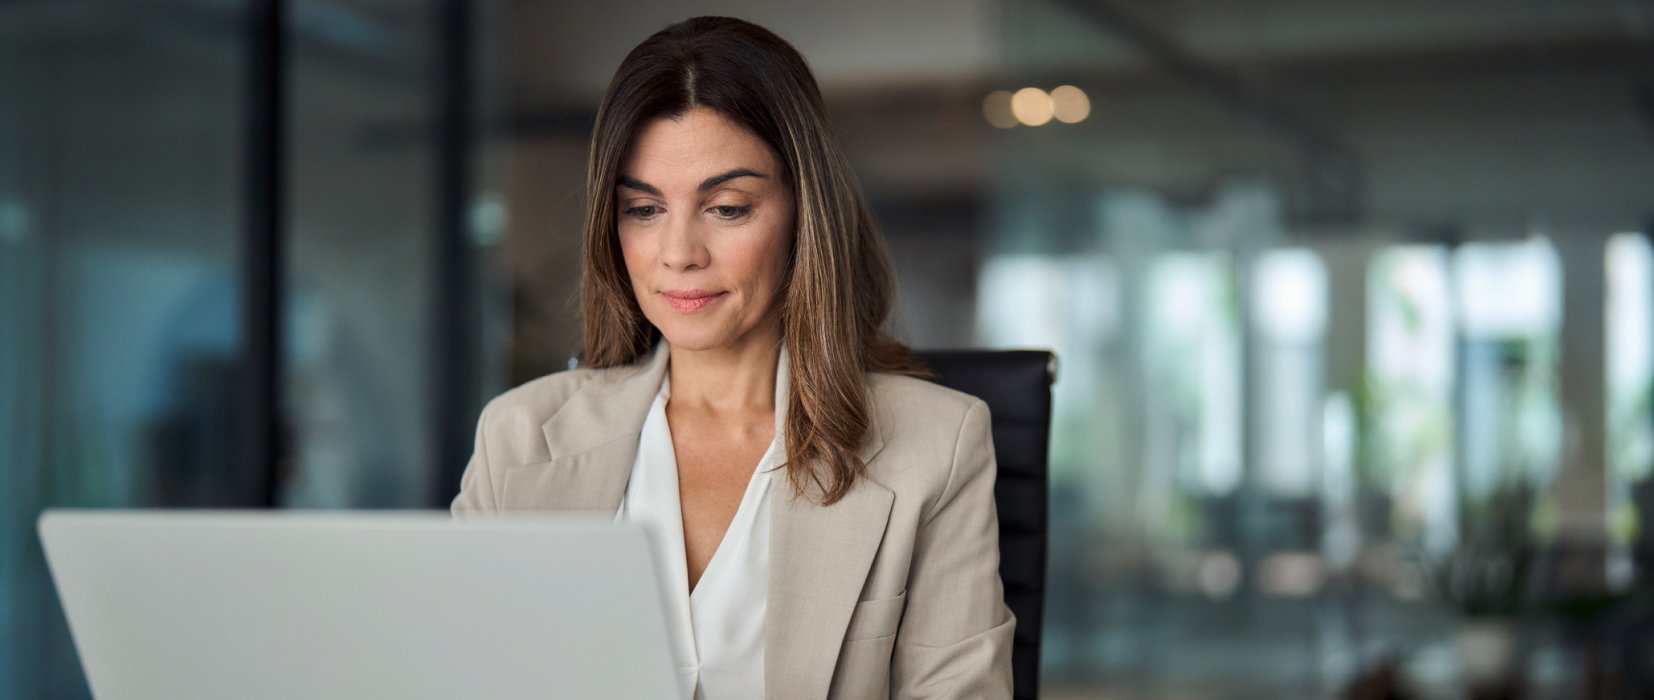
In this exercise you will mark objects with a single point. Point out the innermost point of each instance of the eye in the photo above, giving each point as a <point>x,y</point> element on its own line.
<point>730,212</point>
<point>645,211</point>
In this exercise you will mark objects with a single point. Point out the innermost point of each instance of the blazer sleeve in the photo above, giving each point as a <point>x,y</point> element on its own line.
<point>476,486</point>
<point>955,636</point>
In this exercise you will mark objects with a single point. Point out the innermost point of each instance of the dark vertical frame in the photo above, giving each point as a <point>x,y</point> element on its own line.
<point>452,362</point>
<point>266,206</point>
<point>1253,507</point>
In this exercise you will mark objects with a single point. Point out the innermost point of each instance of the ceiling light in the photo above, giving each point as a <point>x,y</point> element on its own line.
<point>996,108</point>
<point>1031,106</point>
<point>1070,105</point>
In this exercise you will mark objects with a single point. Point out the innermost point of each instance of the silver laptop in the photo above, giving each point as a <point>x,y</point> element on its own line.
<point>184,605</point>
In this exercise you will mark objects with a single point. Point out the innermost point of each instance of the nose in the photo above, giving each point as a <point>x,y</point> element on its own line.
<point>683,247</point>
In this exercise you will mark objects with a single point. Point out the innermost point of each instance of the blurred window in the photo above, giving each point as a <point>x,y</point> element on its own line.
<point>1630,369</point>
<point>1192,344</point>
<point>1410,355</point>
<point>1289,304</point>
<point>1509,297</point>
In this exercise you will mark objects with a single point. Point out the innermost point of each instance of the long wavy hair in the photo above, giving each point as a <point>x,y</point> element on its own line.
<point>838,288</point>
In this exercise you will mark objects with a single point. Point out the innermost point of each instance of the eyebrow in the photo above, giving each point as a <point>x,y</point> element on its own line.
<point>706,184</point>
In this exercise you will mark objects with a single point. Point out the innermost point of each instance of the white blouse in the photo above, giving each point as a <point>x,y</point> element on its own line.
<point>718,629</point>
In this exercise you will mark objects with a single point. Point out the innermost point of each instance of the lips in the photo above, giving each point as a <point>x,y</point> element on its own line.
<point>688,300</point>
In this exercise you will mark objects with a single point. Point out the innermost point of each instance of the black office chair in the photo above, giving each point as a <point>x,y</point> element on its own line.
<point>1017,388</point>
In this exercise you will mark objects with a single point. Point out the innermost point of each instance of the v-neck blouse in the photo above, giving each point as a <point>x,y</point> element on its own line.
<point>718,629</point>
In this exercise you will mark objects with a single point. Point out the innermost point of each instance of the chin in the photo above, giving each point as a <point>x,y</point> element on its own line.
<point>693,338</point>
<point>693,342</point>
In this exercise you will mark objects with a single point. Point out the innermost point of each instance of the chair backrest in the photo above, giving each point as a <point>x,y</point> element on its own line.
<point>1016,385</point>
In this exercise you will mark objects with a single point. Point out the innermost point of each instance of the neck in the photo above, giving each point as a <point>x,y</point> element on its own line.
<point>739,378</point>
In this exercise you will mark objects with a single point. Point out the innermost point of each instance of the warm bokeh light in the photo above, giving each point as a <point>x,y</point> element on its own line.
<point>996,108</point>
<point>1070,105</point>
<point>1031,106</point>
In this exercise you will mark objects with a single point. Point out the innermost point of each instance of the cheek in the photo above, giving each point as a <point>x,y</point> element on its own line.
<point>634,252</point>
<point>781,246</point>
<point>761,254</point>
<point>764,260</point>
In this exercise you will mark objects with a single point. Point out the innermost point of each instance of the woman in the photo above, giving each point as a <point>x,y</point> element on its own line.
<point>828,520</point>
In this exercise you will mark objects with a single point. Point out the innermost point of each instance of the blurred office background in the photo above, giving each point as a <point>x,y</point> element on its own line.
<point>1354,300</point>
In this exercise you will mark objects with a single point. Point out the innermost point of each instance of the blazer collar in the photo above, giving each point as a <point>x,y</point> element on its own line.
<point>591,442</point>
<point>610,405</point>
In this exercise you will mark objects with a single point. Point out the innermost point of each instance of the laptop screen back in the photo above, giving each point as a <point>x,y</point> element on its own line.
<point>216,605</point>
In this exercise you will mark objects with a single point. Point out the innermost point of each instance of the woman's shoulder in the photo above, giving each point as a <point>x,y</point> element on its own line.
<point>929,434</point>
<point>915,412</point>
<point>542,394</point>
<point>901,393</point>
<point>535,401</point>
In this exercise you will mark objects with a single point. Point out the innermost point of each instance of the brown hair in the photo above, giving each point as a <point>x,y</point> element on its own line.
<point>838,287</point>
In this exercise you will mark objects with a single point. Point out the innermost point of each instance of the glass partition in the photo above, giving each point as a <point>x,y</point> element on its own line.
<point>121,329</point>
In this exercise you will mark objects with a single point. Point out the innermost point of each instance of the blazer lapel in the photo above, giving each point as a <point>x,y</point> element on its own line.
<point>592,440</point>
<point>819,559</point>
<point>594,480</point>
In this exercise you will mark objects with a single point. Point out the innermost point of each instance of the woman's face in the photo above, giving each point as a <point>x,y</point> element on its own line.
<point>706,228</point>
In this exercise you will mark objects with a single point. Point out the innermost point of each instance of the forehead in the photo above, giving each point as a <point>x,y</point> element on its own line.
<point>689,148</point>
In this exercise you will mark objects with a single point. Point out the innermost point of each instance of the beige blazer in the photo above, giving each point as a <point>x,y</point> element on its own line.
<point>893,591</point>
